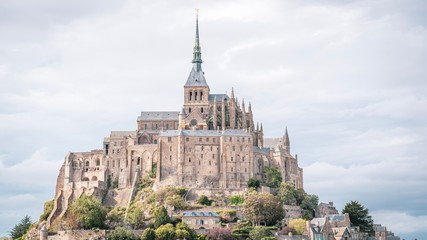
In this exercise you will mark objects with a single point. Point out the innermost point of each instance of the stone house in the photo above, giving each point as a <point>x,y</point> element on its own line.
<point>201,220</point>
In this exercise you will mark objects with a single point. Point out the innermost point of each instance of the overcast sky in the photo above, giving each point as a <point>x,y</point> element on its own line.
<point>348,79</point>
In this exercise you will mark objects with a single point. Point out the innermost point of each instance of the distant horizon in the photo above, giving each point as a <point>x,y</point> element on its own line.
<point>346,78</point>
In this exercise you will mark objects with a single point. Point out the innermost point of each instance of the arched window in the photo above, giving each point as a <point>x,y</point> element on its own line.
<point>87,164</point>
<point>201,110</point>
<point>139,160</point>
<point>201,95</point>
<point>190,95</point>
<point>98,162</point>
<point>195,96</point>
<point>94,178</point>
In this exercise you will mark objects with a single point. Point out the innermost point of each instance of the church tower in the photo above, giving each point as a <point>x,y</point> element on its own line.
<point>196,90</point>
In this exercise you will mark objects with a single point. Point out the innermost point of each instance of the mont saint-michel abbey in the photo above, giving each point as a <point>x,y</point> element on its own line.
<point>213,142</point>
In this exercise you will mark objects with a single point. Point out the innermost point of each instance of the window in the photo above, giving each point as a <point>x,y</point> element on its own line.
<point>213,156</point>
<point>200,139</point>
<point>201,110</point>
<point>214,140</point>
<point>98,162</point>
<point>232,169</point>
<point>145,126</point>
<point>238,139</point>
<point>201,97</point>
<point>87,164</point>
<point>231,158</point>
<point>189,110</point>
<point>243,139</point>
<point>189,96</point>
<point>195,96</point>
<point>170,157</point>
<point>231,139</point>
<point>186,139</point>
<point>189,159</point>
<point>170,148</point>
<point>167,125</point>
<point>202,148</point>
<point>157,126</point>
<point>211,148</point>
<point>207,139</point>
<point>169,140</point>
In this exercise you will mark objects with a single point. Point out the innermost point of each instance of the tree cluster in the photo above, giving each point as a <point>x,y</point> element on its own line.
<point>263,208</point>
<point>359,216</point>
<point>298,197</point>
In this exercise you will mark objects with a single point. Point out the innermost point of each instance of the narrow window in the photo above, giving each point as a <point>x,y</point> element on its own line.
<point>231,158</point>
<point>189,110</point>
<point>169,139</point>
<point>207,139</point>
<point>190,95</point>
<point>195,96</point>
<point>213,156</point>
<point>232,169</point>
<point>170,148</point>
<point>186,139</point>
<point>201,110</point>
<point>209,163</point>
<point>167,126</point>
<point>201,97</point>
<point>231,139</point>
<point>214,140</point>
<point>189,159</point>
<point>170,157</point>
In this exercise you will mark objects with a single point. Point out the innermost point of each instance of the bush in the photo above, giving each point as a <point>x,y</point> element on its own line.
<point>121,234</point>
<point>298,225</point>
<point>148,234</point>
<point>88,212</point>
<point>220,233</point>
<point>260,232</point>
<point>135,218</point>
<point>253,183</point>
<point>48,207</point>
<point>204,200</point>
<point>237,200</point>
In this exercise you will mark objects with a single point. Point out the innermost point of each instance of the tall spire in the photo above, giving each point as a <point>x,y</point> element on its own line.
<point>197,54</point>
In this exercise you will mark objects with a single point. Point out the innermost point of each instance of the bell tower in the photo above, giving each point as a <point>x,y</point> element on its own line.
<point>196,90</point>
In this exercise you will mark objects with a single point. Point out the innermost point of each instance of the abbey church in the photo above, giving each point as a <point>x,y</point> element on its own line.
<point>212,142</point>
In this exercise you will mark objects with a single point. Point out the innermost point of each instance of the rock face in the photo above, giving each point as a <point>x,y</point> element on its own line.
<point>211,144</point>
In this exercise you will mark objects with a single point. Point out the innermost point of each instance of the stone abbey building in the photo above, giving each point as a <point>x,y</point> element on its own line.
<point>211,143</point>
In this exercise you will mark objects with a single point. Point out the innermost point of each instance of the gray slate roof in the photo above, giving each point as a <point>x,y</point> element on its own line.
<point>336,218</point>
<point>200,214</point>
<point>204,133</point>
<point>120,134</point>
<point>158,116</point>
<point>219,97</point>
<point>196,77</point>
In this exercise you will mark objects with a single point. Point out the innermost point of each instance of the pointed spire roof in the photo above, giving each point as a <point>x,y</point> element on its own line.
<point>232,92</point>
<point>286,137</point>
<point>197,76</point>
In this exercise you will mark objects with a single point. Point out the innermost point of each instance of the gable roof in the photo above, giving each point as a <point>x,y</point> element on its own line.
<point>199,214</point>
<point>159,116</point>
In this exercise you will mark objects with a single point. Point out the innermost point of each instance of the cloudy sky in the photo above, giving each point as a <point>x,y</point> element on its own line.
<point>348,79</point>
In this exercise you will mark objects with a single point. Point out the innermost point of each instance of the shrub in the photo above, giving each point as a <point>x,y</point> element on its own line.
<point>121,234</point>
<point>161,217</point>
<point>220,233</point>
<point>148,234</point>
<point>165,232</point>
<point>237,200</point>
<point>260,232</point>
<point>88,212</point>
<point>204,200</point>
<point>48,207</point>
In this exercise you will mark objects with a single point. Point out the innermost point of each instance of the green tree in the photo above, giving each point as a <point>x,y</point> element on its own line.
<point>287,193</point>
<point>298,225</point>
<point>161,217</point>
<point>263,208</point>
<point>183,226</point>
<point>204,200</point>
<point>359,216</point>
<point>88,212</point>
<point>165,232</point>
<point>148,234</point>
<point>259,232</point>
<point>135,218</point>
<point>202,237</point>
<point>182,234</point>
<point>309,205</point>
<point>253,183</point>
<point>272,177</point>
<point>21,228</point>
<point>121,234</point>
